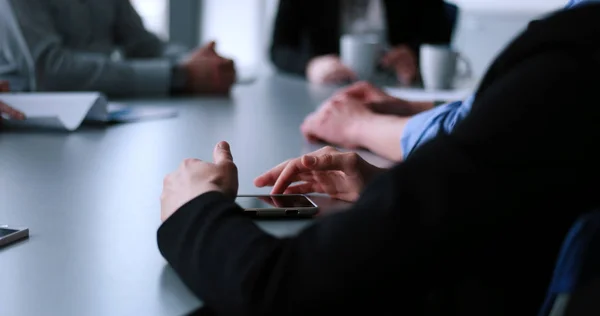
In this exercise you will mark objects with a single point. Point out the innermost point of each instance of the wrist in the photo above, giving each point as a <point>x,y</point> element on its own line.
<point>179,79</point>
<point>359,129</point>
<point>421,106</point>
<point>208,187</point>
<point>223,188</point>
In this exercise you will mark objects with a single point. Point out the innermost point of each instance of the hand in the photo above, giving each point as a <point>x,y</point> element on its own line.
<point>328,69</point>
<point>195,177</point>
<point>381,102</point>
<point>340,175</point>
<point>207,72</point>
<point>403,61</point>
<point>208,50</point>
<point>338,122</point>
<point>5,109</point>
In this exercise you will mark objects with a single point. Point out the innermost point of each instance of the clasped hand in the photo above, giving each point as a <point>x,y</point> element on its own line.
<point>340,175</point>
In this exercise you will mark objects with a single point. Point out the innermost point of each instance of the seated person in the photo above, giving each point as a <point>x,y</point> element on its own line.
<point>359,117</point>
<point>307,33</point>
<point>16,64</point>
<point>5,109</point>
<point>73,45</point>
<point>469,224</point>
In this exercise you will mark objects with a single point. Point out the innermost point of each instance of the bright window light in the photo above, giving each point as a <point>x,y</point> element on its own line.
<point>155,14</point>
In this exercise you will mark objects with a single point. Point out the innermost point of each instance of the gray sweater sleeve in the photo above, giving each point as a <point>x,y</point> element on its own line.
<point>146,71</point>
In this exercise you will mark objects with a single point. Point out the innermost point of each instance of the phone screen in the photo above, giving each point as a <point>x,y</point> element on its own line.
<point>5,232</point>
<point>265,202</point>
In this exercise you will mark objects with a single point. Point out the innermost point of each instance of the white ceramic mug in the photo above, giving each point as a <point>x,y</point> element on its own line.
<point>361,54</point>
<point>439,67</point>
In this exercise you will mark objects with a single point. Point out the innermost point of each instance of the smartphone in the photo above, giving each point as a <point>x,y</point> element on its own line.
<point>9,235</point>
<point>278,205</point>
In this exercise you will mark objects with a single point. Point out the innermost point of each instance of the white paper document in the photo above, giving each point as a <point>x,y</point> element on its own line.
<point>57,110</point>
<point>67,111</point>
<point>414,94</point>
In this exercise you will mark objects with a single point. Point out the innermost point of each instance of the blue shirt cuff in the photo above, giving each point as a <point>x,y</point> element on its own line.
<point>426,125</point>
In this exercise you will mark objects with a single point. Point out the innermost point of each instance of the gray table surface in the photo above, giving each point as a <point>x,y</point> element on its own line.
<point>91,198</point>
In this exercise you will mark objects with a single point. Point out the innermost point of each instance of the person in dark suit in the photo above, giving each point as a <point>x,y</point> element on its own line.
<point>469,224</point>
<point>307,33</point>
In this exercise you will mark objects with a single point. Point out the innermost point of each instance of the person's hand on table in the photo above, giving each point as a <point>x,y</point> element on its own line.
<point>340,175</point>
<point>338,121</point>
<point>381,102</point>
<point>403,61</point>
<point>328,69</point>
<point>208,72</point>
<point>5,109</point>
<point>208,50</point>
<point>195,177</point>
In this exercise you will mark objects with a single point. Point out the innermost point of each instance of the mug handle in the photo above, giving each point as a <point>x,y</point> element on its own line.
<point>466,72</point>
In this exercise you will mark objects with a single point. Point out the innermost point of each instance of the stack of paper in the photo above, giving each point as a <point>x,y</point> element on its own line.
<point>57,110</point>
<point>68,111</point>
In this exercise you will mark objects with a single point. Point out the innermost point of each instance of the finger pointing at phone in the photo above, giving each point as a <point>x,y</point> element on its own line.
<point>327,170</point>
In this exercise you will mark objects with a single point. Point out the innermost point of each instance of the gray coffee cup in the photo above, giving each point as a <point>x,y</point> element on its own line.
<point>439,67</point>
<point>361,54</point>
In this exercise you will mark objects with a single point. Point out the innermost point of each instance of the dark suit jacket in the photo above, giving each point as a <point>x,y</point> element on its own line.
<point>308,28</point>
<point>470,224</point>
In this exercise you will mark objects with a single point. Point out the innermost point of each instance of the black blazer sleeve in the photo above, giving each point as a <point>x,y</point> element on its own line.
<point>487,205</point>
<point>302,32</point>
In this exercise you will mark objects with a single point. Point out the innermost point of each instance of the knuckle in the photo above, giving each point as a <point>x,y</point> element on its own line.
<point>329,149</point>
<point>340,103</point>
<point>363,84</point>
<point>328,105</point>
<point>327,158</point>
<point>190,161</point>
<point>352,158</point>
<point>230,165</point>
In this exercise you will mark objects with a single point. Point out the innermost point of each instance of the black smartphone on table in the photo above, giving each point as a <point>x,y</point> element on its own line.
<point>277,205</point>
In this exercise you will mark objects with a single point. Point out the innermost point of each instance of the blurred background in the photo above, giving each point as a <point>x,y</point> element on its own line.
<point>484,25</point>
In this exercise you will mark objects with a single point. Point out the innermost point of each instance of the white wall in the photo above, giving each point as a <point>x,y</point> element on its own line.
<point>511,5</point>
<point>155,15</point>
<point>486,26</point>
<point>236,25</point>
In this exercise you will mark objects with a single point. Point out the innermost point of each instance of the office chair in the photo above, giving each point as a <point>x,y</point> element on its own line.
<point>575,286</point>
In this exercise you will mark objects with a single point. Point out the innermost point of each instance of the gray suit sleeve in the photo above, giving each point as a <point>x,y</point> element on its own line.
<point>61,69</point>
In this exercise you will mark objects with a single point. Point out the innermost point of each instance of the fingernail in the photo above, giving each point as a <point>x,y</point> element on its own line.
<point>223,145</point>
<point>311,161</point>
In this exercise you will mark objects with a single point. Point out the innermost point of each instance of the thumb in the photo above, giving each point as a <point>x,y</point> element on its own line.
<point>342,162</point>
<point>222,153</point>
<point>212,45</point>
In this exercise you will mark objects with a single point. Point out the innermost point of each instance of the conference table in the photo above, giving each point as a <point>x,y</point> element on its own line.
<point>91,198</point>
